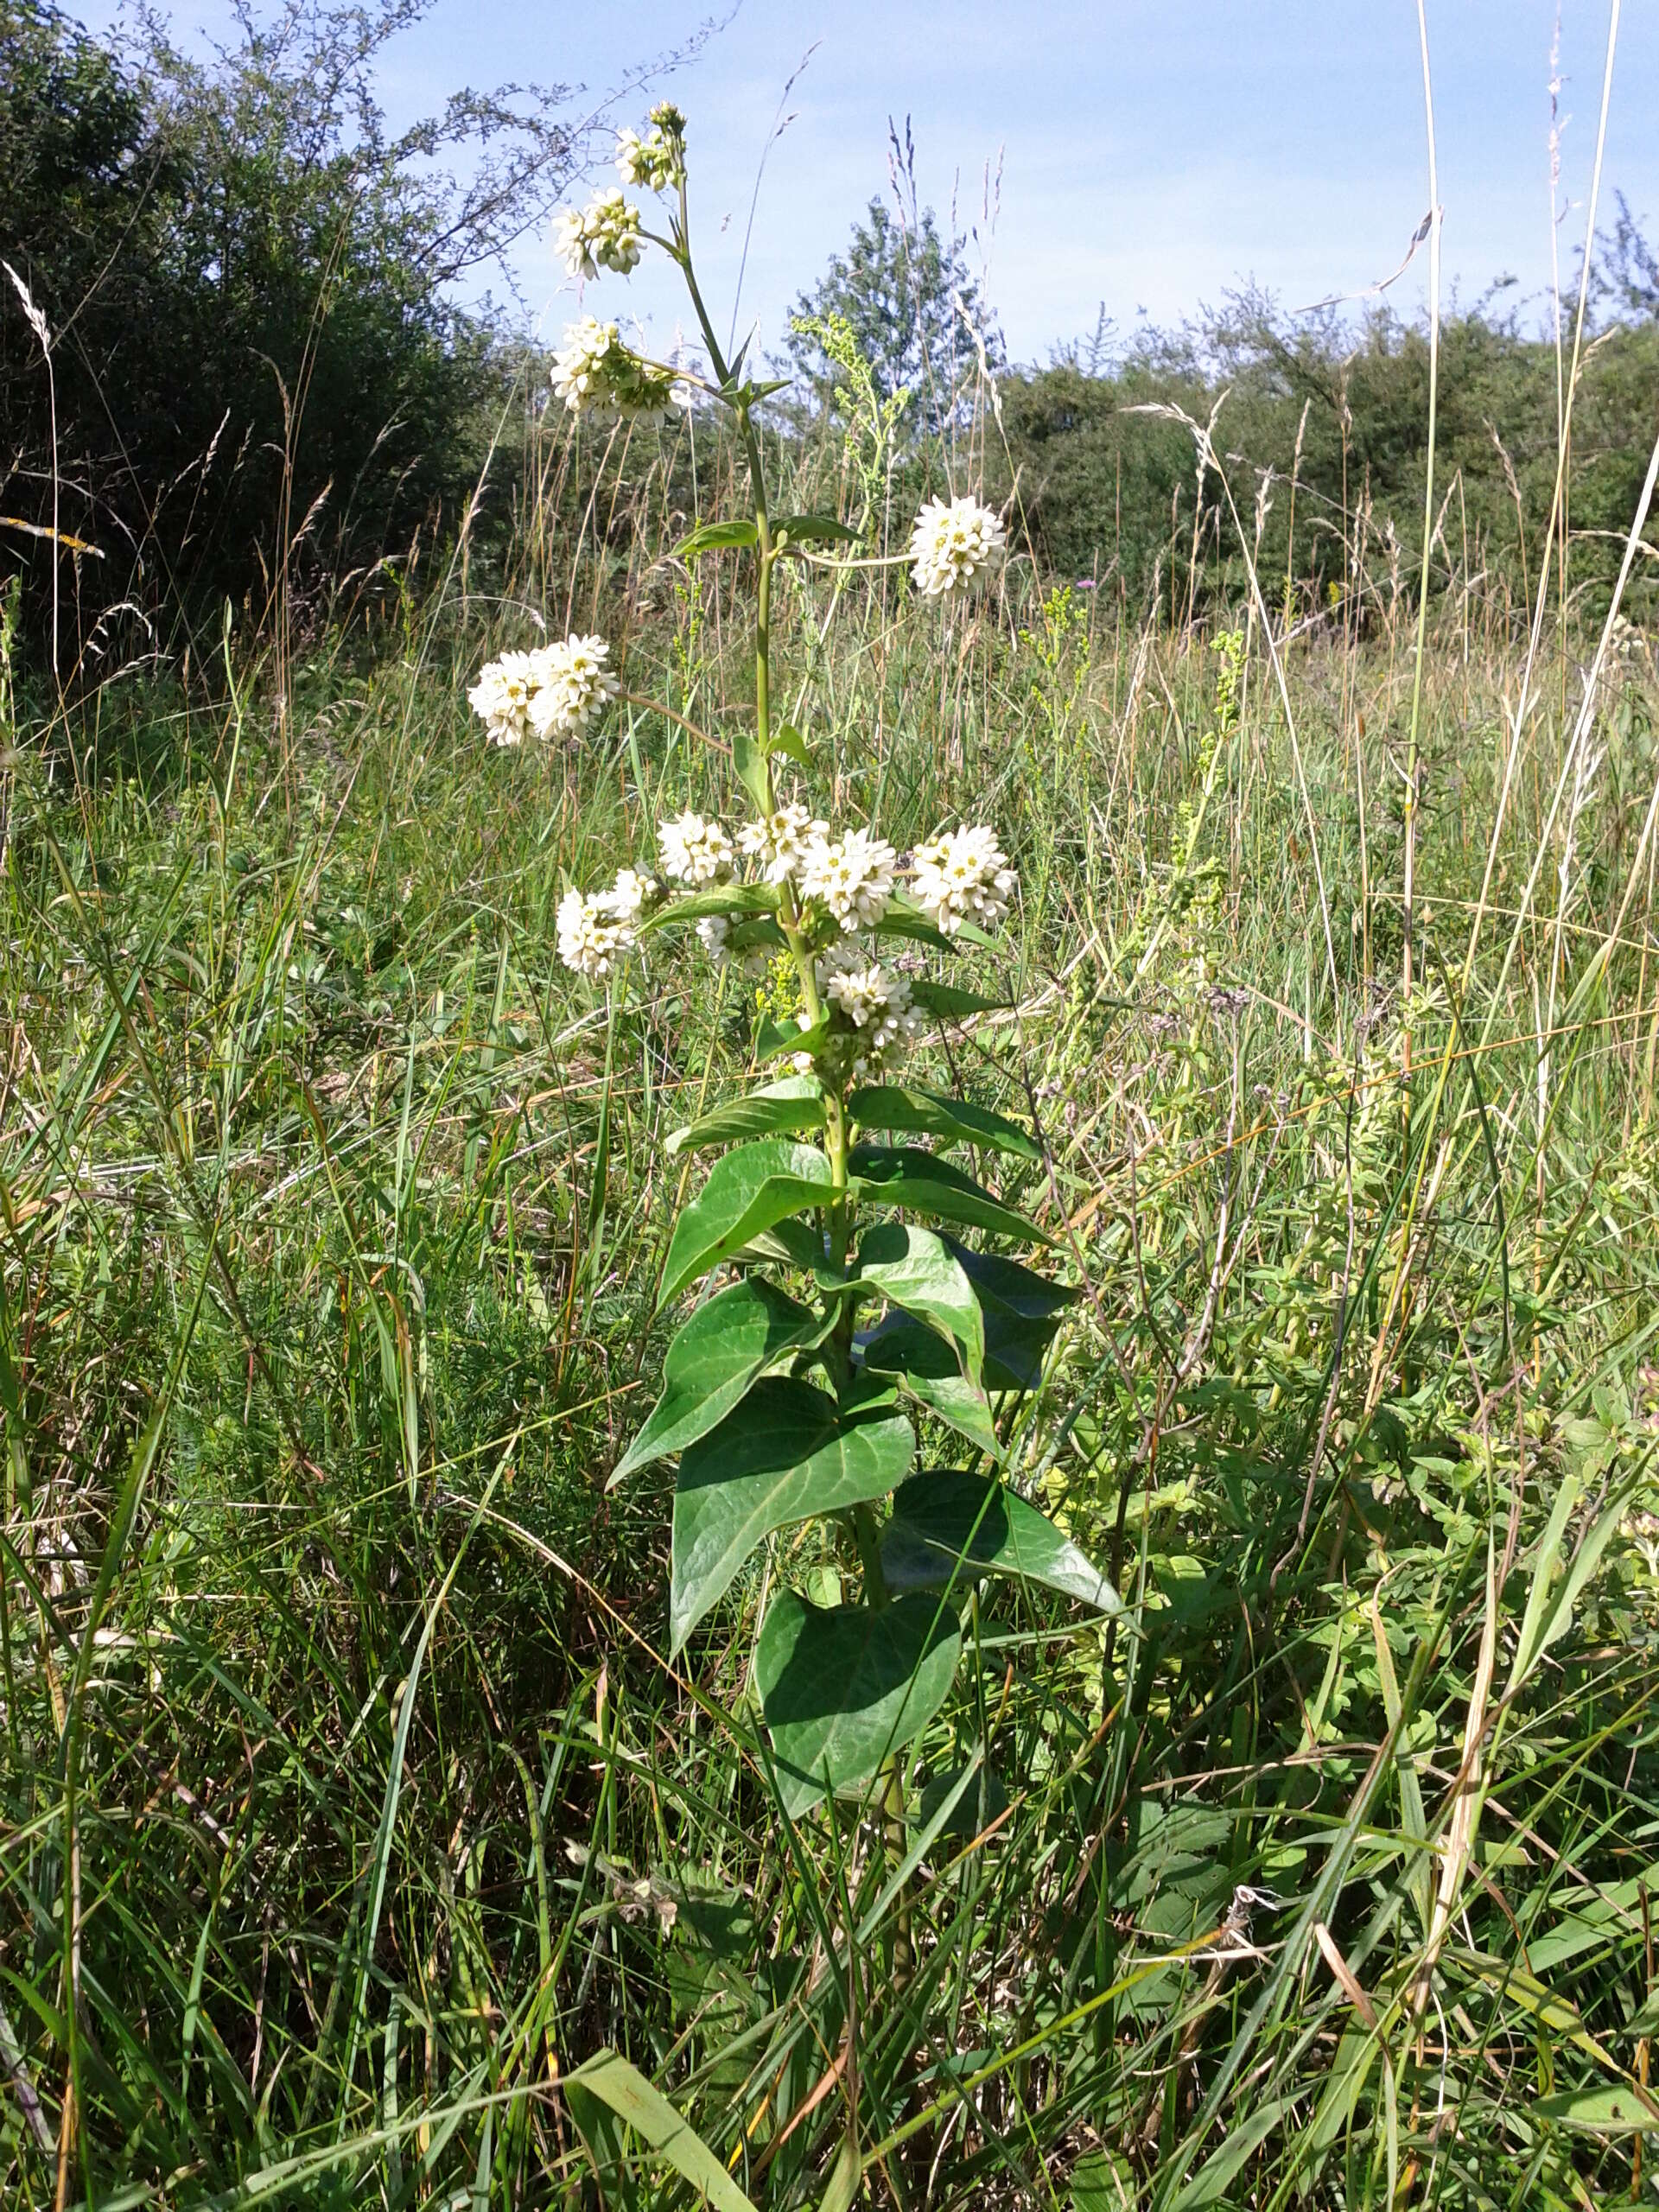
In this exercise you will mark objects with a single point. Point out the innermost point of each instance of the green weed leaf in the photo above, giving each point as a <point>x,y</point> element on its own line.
<point>943,1520</point>
<point>725,1347</point>
<point>787,1453</point>
<point>746,1191</point>
<point>842,1689</point>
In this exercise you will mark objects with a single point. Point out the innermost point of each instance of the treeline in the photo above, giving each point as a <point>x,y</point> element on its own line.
<point>231,370</point>
<point>1322,436</point>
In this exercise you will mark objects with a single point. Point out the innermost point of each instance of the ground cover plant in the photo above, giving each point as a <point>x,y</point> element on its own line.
<point>1137,1691</point>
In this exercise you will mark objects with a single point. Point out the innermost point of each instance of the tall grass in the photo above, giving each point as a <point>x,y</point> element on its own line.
<point>348,1803</point>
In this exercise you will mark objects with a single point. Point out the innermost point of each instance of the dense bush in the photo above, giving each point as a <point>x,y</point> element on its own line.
<point>256,369</point>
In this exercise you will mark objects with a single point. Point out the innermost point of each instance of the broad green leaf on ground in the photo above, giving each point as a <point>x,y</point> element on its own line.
<point>921,1183</point>
<point>782,1108</point>
<point>747,1191</point>
<point>916,1269</point>
<point>722,898</point>
<point>716,537</point>
<point>608,2082</point>
<point>1020,1312</point>
<point>984,1800</point>
<point>928,1370</point>
<point>726,1347</point>
<point>843,1688</point>
<point>950,1003</point>
<point>786,1453</point>
<point>925,1113</point>
<point>944,1517</point>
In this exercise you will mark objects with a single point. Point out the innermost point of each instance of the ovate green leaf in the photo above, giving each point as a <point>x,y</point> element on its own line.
<point>727,1345</point>
<point>914,1268</point>
<point>714,538</point>
<point>748,1190</point>
<point>785,1453</point>
<point>927,1370</point>
<point>842,1689</point>
<point>921,1183</point>
<point>777,1110</point>
<point>943,1518</point>
<point>925,1113</point>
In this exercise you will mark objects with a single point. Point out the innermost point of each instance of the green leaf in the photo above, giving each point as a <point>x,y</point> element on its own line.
<point>843,1688</point>
<point>845,2178</point>
<point>772,1037</point>
<point>750,763</point>
<point>747,1190</point>
<point>786,739</point>
<point>716,537</point>
<point>902,920</point>
<point>780,1109</point>
<point>914,1268</point>
<point>1020,1310</point>
<point>753,936</point>
<point>725,1348</point>
<point>610,2081</point>
<point>922,1183</point>
<point>719,899</point>
<point>943,1518</point>
<point>925,1113</point>
<point>809,530</point>
<point>928,1370</point>
<point>984,1800</point>
<point>1612,2111</point>
<point>944,999</point>
<point>787,1453</point>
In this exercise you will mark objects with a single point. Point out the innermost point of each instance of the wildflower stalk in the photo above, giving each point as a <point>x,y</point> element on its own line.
<point>789,1400</point>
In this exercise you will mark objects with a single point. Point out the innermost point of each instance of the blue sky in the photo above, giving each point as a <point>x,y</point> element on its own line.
<point>1151,153</point>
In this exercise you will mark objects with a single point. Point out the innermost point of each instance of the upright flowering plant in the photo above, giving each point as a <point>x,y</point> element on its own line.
<point>837,1298</point>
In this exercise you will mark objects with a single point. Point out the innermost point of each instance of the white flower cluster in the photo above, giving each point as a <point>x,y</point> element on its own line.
<point>950,545</point>
<point>875,1001</point>
<point>779,841</point>
<point>501,697</point>
<point>605,234</point>
<point>657,160</point>
<point>594,374</point>
<point>552,692</point>
<point>695,851</point>
<point>595,928</point>
<point>851,875</point>
<point>962,875</point>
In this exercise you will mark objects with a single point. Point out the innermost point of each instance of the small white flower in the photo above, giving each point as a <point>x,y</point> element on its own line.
<point>501,697</point>
<point>780,841</point>
<point>591,940</point>
<point>960,874</point>
<point>950,545</point>
<point>653,162</point>
<point>713,930</point>
<point>875,1001</point>
<point>626,899</point>
<point>694,851</point>
<point>573,685</point>
<point>605,234</point>
<point>851,875</point>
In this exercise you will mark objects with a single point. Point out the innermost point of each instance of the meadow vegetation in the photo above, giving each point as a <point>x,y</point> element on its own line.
<point>368,1834</point>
